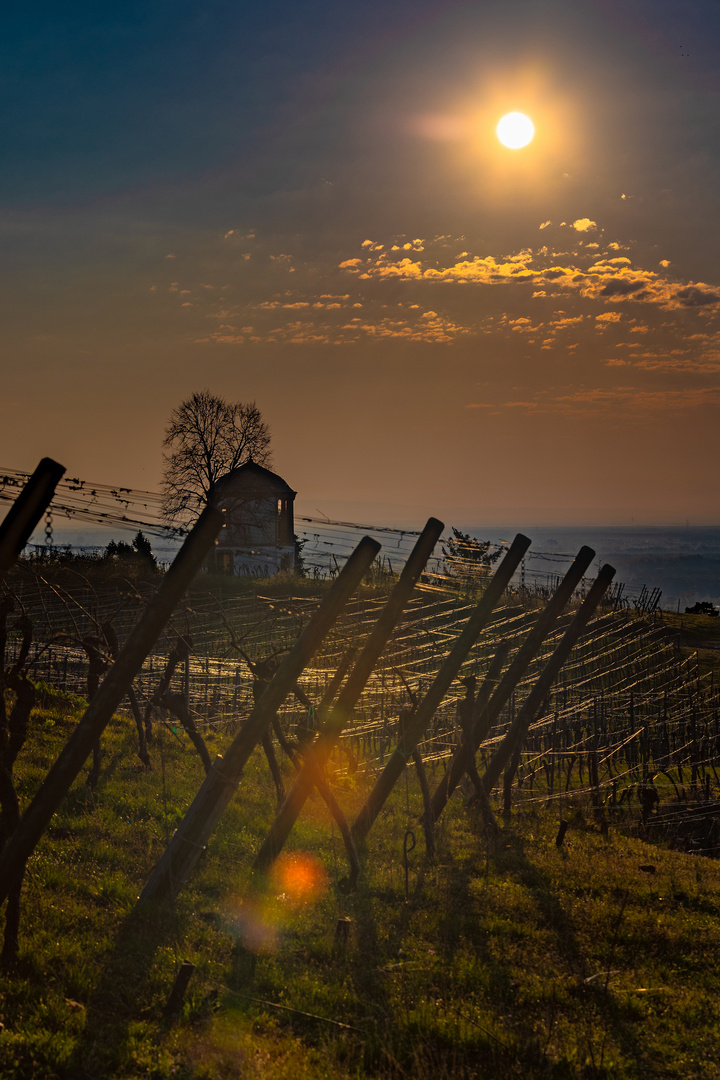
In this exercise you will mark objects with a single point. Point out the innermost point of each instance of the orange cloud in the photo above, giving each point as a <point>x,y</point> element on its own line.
<point>626,399</point>
<point>584,224</point>
<point>567,321</point>
<point>408,289</point>
<point>607,279</point>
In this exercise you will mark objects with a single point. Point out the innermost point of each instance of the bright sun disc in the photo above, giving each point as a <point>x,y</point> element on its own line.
<point>515,130</point>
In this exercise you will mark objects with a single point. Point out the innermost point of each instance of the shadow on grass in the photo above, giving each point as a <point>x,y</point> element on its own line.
<point>123,994</point>
<point>603,1013</point>
<point>400,985</point>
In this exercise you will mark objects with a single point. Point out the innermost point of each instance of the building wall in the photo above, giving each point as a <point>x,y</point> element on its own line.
<point>258,539</point>
<point>253,562</point>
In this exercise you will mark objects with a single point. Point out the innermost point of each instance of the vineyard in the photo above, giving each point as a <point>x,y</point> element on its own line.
<point>369,702</point>
<point>628,700</point>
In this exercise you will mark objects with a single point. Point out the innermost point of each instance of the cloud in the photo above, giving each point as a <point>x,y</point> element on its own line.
<point>336,319</point>
<point>697,295</point>
<point>566,322</point>
<point>406,269</point>
<point>239,235</point>
<point>621,286</point>
<point>584,224</point>
<point>608,278</point>
<point>620,399</point>
<point>429,328</point>
<point>445,289</point>
<point>466,271</point>
<point>269,304</point>
<point>612,264</point>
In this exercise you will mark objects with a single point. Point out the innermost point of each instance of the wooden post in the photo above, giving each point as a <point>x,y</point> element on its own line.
<point>317,754</point>
<point>175,1000</point>
<point>416,726</point>
<point>26,511</point>
<point>512,676</point>
<point>182,853</point>
<point>540,690</point>
<point>342,935</point>
<point>111,692</point>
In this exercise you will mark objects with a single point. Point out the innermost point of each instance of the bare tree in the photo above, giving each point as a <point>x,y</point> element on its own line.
<point>205,439</point>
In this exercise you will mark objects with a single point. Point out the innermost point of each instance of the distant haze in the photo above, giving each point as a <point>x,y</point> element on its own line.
<point>473,518</point>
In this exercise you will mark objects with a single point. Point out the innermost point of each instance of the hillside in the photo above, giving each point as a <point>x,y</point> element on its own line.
<point>510,957</point>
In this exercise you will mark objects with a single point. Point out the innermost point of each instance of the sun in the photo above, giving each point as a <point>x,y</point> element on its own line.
<point>515,130</point>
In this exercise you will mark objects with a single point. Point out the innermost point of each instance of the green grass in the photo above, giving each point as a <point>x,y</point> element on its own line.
<point>514,960</point>
<point>697,635</point>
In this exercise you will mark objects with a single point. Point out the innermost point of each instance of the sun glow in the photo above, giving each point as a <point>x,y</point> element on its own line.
<point>515,130</point>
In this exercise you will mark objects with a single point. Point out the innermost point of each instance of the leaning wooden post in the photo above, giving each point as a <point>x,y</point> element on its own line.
<point>515,736</point>
<point>416,726</point>
<point>182,853</point>
<point>317,754</point>
<point>26,511</point>
<point>108,697</point>
<point>489,714</point>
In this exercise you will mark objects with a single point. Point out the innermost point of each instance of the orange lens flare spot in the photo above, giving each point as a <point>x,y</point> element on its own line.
<point>300,876</point>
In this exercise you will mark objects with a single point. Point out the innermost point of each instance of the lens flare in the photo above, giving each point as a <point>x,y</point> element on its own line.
<point>515,130</point>
<point>300,876</point>
<point>258,921</point>
<point>253,925</point>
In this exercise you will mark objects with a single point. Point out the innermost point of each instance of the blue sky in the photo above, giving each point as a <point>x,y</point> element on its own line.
<point>305,205</point>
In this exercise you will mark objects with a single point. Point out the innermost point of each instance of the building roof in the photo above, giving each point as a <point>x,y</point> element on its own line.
<point>254,481</point>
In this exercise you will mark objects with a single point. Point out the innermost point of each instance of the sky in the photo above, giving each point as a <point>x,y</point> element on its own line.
<point>306,206</point>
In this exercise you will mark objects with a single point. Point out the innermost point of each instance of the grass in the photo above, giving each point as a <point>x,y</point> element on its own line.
<point>699,634</point>
<point>508,959</point>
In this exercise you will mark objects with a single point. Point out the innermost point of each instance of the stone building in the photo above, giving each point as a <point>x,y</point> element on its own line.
<point>258,538</point>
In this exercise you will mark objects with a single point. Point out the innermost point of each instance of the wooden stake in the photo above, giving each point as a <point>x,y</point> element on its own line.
<point>540,690</point>
<point>415,728</point>
<point>512,676</point>
<point>182,853</point>
<point>317,755</point>
<point>113,689</point>
<point>175,1000</point>
<point>26,511</point>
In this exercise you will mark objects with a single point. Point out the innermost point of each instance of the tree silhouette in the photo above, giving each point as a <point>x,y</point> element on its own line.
<point>206,438</point>
<point>144,552</point>
<point>138,554</point>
